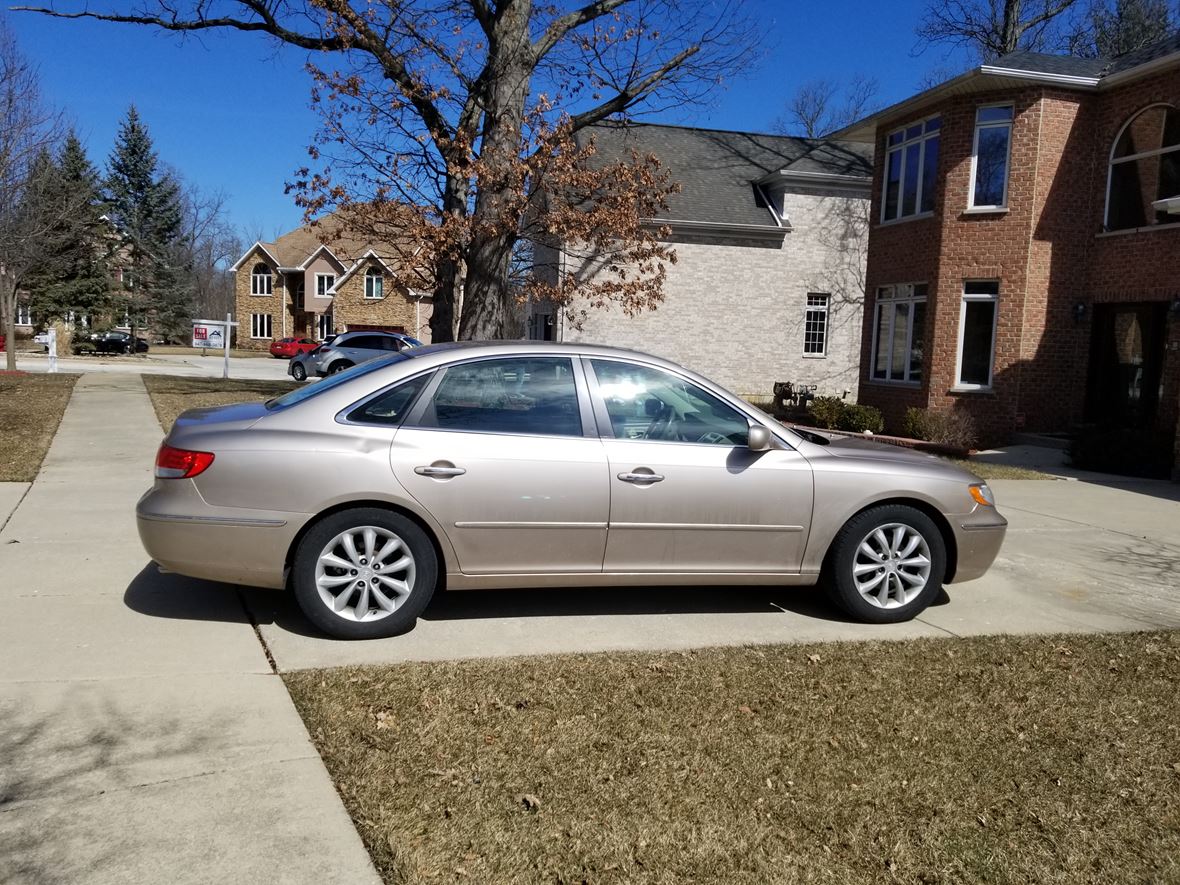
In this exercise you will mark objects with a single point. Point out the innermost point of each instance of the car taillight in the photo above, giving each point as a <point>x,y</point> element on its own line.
<point>181,463</point>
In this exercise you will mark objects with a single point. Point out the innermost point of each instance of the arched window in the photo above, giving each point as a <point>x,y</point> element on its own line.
<point>1144,168</point>
<point>261,280</point>
<point>374,283</point>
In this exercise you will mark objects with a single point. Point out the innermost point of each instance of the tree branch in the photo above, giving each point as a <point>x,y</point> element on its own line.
<point>267,25</point>
<point>559,27</point>
<point>629,96</point>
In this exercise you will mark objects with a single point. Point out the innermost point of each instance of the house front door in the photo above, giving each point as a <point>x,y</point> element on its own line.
<point>1126,364</point>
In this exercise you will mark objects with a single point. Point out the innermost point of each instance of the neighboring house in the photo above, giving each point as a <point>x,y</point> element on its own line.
<point>770,238</point>
<point>1024,257</point>
<point>311,283</point>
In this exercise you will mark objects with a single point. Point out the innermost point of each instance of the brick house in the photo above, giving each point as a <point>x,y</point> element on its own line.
<point>313,282</point>
<point>770,238</point>
<point>1025,246</point>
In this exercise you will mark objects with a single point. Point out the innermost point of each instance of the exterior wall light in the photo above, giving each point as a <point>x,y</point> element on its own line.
<point>1079,311</point>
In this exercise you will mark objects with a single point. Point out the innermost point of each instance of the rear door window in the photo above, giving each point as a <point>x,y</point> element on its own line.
<point>527,395</point>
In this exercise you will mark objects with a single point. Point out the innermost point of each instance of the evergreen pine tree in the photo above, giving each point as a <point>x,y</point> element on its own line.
<point>74,274</point>
<point>145,204</point>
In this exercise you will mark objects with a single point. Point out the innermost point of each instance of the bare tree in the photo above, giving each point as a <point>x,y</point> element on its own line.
<point>822,106</point>
<point>28,130</point>
<point>208,244</point>
<point>474,98</point>
<point>991,28</point>
<point>1114,29</point>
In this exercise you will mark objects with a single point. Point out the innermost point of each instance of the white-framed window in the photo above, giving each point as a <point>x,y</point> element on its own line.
<point>324,325</point>
<point>324,282</point>
<point>911,170</point>
<point>261,280</point>
<point>989,157</point>
<point>815,325</point>
<point>899,323</point>
<point>977,334</point>
<point>260,325</point>
<point>1144,168</point>
<point>24,316</point>
<point>374,284</point>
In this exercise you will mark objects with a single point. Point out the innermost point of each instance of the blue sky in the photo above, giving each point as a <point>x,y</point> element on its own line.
<point>231,113</point>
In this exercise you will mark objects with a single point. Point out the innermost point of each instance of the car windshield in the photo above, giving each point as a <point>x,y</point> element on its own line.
<point>308,391</point>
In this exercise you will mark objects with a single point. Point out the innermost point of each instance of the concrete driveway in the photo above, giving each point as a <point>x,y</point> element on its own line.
<point>1079,557</point>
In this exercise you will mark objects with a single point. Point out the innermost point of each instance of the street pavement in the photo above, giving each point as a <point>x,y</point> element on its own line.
<point>140,749</point>
<point>193,365</point>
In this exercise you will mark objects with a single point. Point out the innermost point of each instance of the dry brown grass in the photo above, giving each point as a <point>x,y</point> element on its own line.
<point>31,407</point>
<point>984,470</point>
<point>991,760</point>
<point>206,352</point>
<point>173,394</point>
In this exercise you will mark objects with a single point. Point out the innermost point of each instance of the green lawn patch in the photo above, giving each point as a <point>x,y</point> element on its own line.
<point>173,394</point>
<point>990,760</point>
<point>984,470</point>
<point>31,407</point>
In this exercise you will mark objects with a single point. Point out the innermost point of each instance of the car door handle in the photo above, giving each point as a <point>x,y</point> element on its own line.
<point>440,471</point>
<point>641,478</point>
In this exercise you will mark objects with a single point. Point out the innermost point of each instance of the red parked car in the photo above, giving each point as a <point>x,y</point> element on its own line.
<point>285,348</point>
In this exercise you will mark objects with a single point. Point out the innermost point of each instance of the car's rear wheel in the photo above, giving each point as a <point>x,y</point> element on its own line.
<point>886,565</point>
<point>364,573</point>
<point>298,372</point>
<point>339,366</point>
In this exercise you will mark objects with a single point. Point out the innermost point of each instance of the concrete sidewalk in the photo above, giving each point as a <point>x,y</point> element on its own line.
<point>132,748</point>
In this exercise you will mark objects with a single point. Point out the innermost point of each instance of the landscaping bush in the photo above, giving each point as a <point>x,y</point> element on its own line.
<point>81,347</point>
<point>955,430</point>
<point>826,412</point>
<point>858,419</point>
<point>1126,452</point>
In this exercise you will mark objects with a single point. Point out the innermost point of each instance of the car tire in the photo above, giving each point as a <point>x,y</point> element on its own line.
<point>912,556</point>
<point>331,599</point>
<point>298,372</point>
<point>339,366</point>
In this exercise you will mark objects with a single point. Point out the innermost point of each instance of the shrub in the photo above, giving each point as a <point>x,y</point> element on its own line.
<point>827,412</point>
<point>1126,452</point>
<point>858,419</point>
<point>955,430</point>
<point>80,347</point>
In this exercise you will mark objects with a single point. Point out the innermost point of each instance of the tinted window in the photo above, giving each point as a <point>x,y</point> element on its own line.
<point>392,344</point>
<point>519,395</point>
<point>645,403</point>
<point>363,342</point>
<point>392,406</point>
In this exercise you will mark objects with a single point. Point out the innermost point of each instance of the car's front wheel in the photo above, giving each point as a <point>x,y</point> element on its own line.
<point>364,573</point>
<point>298,372</point>
<point>886,565</point>
<point>339,366</point>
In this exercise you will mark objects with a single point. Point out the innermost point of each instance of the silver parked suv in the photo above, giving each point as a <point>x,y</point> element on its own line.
<point>351,348</point>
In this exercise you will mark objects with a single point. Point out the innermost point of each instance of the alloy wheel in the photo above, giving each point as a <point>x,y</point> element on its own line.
<point>365,573</point>
<point>891,566</point>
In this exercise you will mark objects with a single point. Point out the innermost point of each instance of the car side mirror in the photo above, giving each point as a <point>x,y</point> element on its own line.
<point>759,438</point>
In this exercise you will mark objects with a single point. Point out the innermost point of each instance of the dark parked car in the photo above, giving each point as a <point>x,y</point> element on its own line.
<point>118,342</point>
<point>288,348</point>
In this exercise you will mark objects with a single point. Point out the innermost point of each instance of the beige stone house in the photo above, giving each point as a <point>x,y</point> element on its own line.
<point>771,235</point>
<point>310,283</point>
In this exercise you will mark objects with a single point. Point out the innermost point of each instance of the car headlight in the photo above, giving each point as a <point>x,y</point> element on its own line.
<point>981,494</point>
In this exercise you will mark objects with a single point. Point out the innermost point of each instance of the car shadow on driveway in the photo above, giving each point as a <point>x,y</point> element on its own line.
<point>174,596</point>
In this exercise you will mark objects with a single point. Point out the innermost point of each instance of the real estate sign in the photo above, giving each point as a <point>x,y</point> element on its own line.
<point>208,334</point>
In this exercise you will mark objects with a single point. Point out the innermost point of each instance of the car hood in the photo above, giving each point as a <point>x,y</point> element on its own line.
<point>865,450</point>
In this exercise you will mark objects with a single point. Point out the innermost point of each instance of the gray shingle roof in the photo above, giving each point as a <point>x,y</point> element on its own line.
<point>717,168</point>
<point>1146,54</point>
<point>1066,65</point>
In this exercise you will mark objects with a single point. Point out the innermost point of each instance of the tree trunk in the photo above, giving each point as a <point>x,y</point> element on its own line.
<point>8,312</point>
<point>494,220</point>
